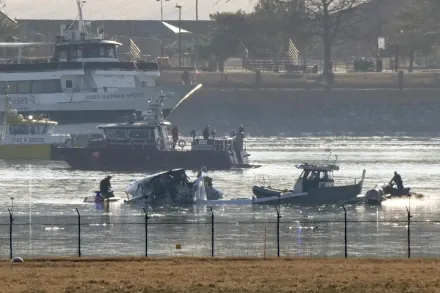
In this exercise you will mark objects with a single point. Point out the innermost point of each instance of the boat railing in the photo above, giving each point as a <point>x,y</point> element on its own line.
<point>263,180</point>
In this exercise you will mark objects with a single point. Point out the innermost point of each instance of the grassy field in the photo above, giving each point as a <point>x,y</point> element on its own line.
<point>278,80</point>
<point>220,275</point>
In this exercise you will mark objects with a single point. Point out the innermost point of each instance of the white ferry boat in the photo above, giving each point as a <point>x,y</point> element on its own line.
<point>84,81</point>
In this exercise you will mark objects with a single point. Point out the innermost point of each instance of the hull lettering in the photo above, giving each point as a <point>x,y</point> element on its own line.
<point>25,140</point>
<point>114,96</point>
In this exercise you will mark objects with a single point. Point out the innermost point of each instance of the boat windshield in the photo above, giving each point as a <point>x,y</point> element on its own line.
<point>116,133</point>
<point>19,129</point>
<point>141,134</point>
<point>39,128</point>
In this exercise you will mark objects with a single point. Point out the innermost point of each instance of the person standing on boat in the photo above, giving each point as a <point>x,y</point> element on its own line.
<point>175,135</point>
<point>398,180</point>
<point>206,132</point>
<point>241,129</point>
<point>193,134</point>
<point>105,187</point>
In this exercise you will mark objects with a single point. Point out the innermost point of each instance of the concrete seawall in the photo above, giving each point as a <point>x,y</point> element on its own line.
<point>272,111</point>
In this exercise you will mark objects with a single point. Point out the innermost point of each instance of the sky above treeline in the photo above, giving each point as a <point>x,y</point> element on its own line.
<point>121,9</point>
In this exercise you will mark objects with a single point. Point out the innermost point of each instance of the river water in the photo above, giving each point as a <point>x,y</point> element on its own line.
<point>47,194</point>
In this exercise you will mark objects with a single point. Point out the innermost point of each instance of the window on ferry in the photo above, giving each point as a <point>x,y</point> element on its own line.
<point>52,86</point>
<point>38,128</point>
<point>12,87</point>
<point>37,87</point>
<point>139,134</point>
<point>18,129</point>
<point>116,133</point>
<point>69,84</point>
<point>91,51</point>
<point>46,86</point>
<point>24,87</point>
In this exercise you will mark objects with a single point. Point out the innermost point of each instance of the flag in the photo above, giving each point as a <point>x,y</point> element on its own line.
<point>134,50</point>
<point>293,52</point>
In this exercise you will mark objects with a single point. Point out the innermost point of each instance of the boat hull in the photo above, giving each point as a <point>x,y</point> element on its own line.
<point>26,152</point>
<point>261,191</point>
<point>124,160</point>
<point>315,196</point>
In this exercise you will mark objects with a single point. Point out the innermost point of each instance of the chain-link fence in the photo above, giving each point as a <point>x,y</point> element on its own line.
<point>217,235</point>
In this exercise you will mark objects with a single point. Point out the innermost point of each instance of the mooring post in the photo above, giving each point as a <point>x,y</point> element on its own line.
<point>278,231</point>
<point>345,232</point>
<point>212,231</point>
<point>10,233</point>
<point>409,232</point>
<point>79,232</point>
<point>146,232</point>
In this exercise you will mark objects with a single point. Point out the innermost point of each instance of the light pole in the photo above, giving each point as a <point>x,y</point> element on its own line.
<point>180,35</point>
<point>161,20</point>
<point>197,36</point>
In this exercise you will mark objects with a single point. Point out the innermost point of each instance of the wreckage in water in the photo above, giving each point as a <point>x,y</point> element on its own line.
<point>172,188</point>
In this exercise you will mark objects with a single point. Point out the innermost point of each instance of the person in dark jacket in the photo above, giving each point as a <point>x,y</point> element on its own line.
<point>206,132</point>
<point>193,134</point>
<point>398,180</point>
<point>105,187</point>
<point>175,135</point>
<point>241,129</point>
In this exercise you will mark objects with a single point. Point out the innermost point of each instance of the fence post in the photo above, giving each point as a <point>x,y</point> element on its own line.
<point>212,232</point>
<point>79,232</point>
<point>146,232</point>
<point>278,231</point>
<point>345,231</point>
<point>10,233</point>
<point>409,232</point>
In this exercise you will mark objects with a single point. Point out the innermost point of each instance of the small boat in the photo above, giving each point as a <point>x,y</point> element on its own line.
<point>145,144</point>
<point>28,137</point>
<point>315,185</point>
<point>172,187</point>
<point>377,195</point>
<point>97,198</point>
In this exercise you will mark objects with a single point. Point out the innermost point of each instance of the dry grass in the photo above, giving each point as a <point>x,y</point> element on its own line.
<point>221,275</point>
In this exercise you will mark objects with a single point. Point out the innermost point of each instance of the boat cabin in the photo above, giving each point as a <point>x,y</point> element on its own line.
<point>314,176</point>
<point>136,135</point>
<point>30,130</point>
<point>88,50</point>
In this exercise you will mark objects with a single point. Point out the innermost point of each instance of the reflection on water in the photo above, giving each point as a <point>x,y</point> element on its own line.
<point>47,193</point>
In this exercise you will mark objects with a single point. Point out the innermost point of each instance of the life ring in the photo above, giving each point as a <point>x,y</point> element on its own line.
<point>96,155</point>
<point>182,143</point>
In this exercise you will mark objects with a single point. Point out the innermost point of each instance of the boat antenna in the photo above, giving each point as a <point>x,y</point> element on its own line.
<point>80,19</point>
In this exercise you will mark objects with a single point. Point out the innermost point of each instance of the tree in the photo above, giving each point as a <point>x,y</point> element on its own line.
<point>333,20</point>
<point>228,31</point>
<point>415,27</point>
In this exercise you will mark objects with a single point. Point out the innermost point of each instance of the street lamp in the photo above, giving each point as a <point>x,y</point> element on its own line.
<point>161,20</point>
<point>180,35</point>
<point>197,36</point>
